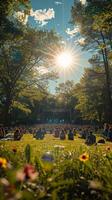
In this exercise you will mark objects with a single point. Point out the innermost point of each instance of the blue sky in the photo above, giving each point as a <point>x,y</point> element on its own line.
<point>60,12</point>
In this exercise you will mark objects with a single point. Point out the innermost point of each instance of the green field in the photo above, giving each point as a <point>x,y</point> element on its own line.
<point>48,144</point>
<point>65,176</point>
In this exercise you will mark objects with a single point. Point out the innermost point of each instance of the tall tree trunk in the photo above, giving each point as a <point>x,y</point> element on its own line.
<point>108,82</point>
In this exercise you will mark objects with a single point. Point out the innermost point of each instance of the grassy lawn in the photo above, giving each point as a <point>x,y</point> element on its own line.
<point>38,147</point>
<point>92,179</point>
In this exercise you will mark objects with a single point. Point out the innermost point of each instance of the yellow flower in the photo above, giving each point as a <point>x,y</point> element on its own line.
<point>108,148</point>
<point>84,157</point>
<point>3,162</point>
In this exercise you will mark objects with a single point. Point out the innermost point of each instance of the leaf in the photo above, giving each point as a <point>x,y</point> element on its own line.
<point>28,153</point>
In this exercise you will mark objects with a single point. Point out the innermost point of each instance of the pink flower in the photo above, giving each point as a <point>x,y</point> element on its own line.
<point>28,173</point>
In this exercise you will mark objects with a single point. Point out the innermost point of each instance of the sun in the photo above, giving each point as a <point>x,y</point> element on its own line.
<point>64,59</point>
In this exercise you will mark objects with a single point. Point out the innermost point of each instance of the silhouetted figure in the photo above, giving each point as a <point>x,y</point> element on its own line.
<point>109,138</point>
<point>91,139</point>
<point>106,130</point>
<point>62,135</point>
<point>70,135</point>
<point>84,133</point>
<point>39,134</point>
<point>2,133</point>
<point>56,133</point>
<point>17,135</point>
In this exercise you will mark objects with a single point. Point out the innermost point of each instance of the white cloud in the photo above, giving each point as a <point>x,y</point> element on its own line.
<point>81,41</point>
<point>22,17</point>
<point>43,16</point>
<point>73,31</point>
<point>83,1</point>
<point>58,3</point>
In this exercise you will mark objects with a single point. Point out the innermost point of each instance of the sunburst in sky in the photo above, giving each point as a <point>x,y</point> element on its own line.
<point>55,15</point>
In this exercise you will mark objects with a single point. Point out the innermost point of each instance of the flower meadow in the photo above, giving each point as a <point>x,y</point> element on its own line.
<point>55,170</point>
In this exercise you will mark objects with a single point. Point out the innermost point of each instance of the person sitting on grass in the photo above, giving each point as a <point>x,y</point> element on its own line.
<point>109,137</point>
<point>56,133</point>
<point>62,135</point>
<point>106,130</point>
<point>17,135</point>
<point>2,133</point>
<point>70,135</point>
<point>91,139</point>
<point>39,134</point>
<point>83,134</point>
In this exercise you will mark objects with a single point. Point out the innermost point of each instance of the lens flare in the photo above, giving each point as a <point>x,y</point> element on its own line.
<point>64,59</point>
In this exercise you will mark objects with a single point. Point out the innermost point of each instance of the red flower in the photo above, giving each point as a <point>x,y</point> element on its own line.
<point>29,170</point>
<point>28,173</point>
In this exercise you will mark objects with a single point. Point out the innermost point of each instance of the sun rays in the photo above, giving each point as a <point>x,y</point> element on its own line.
<point>64,59</point>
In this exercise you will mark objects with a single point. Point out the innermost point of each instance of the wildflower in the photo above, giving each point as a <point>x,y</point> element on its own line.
<point>14,150</point>
<point>28,173</point>
<point>108,148</point>
<point>84,157</point>
<point>3,163</point>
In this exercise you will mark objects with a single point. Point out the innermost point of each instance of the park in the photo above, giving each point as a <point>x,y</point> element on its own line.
<point>55,100</point>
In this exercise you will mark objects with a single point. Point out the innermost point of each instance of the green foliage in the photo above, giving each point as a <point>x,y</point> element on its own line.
<point>39,166</point>
<point>94,21</point>
<point>22,82</point>
<point>90,93</point>
<point>21,107</point>
<point>28,153</point>
<point>22,55</point>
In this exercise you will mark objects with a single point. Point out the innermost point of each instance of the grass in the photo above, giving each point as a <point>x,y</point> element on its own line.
<point>48,144</point>
<point>67,177</point>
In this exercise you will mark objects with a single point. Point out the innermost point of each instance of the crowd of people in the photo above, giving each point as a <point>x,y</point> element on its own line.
<point>9,133</point>
<point>60,132</point>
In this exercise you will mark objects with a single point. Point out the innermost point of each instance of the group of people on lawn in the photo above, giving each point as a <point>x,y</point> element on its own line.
<point>60,132</point>
<point>57,132</point>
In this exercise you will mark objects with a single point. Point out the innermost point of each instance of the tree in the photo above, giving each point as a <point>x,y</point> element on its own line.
<point>19,66</point>
<point>94,21</point>
<point>9,25</point>
<point>90,93</point>
<point>66,99</point>
<point>23,55</point>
